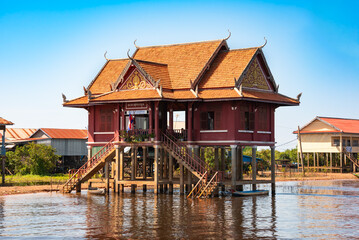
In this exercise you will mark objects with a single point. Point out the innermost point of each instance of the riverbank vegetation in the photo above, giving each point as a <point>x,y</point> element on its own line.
<point>31,180</point>
<point>32,158</point>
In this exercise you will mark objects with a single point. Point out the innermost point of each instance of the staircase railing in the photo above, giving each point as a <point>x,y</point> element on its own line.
<point>351,158</point>
<point>75,177</point>
<point>183,152</point>
<point>211,182</point>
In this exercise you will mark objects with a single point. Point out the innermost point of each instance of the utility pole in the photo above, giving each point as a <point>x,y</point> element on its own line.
<point>301,152</point>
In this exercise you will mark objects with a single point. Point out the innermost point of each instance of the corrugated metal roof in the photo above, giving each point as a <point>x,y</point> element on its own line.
<point>19,133</point>
<point>65,133</point>
<point>344,125</point>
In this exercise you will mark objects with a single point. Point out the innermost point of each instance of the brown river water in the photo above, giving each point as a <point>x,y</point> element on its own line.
<point>299,210</point>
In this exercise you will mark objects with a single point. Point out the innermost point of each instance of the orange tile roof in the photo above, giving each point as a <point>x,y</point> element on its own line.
<point>231,93</point>
<point>109,74</point>
<point>157,71</point>
<point>185,61</point>
<point>77,101</point>
<point>65,133</point>
<point>227,66</point>
<point>3,121</point>
<point>128,95</point>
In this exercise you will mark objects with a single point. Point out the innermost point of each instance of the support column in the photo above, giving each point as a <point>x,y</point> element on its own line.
<point>144,163</point>
<point>272,163</point>
<point>170,125</point>
<point>132,163</point>
<point>157,122</point>
<point>170,173</point>
<point>155,177</point>
<point>189,122</point>
<point>254,167</point>
<point>234,165</point>
<point>121,170</point>
<point>223,165</point>
<point>216,159</point>
<point>240,167</point>
<point>117,169</point>
<point>181,179</point>
<point>160,167</point>
<point>331,162</point>
<point>107,177</point>
<point>165,169</point>
<point>89,152</point>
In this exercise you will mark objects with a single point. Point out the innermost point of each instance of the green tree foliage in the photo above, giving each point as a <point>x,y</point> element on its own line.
<point>32,158</point>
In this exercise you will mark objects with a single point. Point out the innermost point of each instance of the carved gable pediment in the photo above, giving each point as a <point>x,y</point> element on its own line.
<point>255,78</point>
<point>135,81</point>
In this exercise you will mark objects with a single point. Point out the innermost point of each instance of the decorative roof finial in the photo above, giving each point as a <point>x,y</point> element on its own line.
<point>105,56</point>
<point>128,54</point>
<point>134,43</point>
<point>229,35</point>
<point>264,43</point>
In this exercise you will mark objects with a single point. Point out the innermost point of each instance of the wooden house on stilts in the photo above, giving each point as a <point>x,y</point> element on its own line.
<point>228,98</point>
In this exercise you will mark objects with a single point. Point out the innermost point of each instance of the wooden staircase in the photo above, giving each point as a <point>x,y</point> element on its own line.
<point>206,184</point>
<point>90,168</point>
<point>351,157</point>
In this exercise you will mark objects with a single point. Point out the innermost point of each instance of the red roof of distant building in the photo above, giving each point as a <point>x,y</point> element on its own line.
<point>344,125</point>
<point>65,133</point>
<point>5,122</point>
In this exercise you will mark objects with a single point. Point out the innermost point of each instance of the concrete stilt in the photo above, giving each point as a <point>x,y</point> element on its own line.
<point>254,167</point>
<point>240,167</point>
<point>155,163</point>
<point>272,161</point>
<point>107,177</point>
<point>170,173</point>
<point>234,165</point>
<point>181,179</point>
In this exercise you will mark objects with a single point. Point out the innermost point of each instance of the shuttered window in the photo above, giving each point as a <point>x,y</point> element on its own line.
<point>247,120</point>
<point>106,119</point>
<point>262,119</point>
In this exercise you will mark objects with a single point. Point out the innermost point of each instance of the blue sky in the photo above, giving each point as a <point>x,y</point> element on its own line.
<point>48,48</point>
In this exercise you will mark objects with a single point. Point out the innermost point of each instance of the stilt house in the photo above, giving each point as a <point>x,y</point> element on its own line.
<point>228,97</point>
<point>330,144</point>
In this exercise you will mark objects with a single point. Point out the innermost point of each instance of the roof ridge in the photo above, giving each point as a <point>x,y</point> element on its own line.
<point>239,49</point>
<point>138,60</point>
<point>339,118</point>
<point>177,44</point>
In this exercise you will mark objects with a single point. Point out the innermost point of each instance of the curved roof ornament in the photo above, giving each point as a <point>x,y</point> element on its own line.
<point>134,43</point>
<point>229,35</point>
<point>105,56</point>
<point>264,43</point>
<point>128,54</point>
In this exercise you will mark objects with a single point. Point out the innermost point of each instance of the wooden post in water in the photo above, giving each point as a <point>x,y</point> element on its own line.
<point>254,167</point>
<point>272,161</point>
<point>234,165</point>
<point>121,170</point>
<point>240,167</point>
<point>181,179</point>
<point>107,177</point>
<point>144,163</point>
<point>155,177</point>
<point>170,173</point>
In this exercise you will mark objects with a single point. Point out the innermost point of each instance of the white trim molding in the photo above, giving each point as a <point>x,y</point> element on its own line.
<point>213,131</point>
<point>104,133</point>
<point>245,131</point>
<point>264,132</point>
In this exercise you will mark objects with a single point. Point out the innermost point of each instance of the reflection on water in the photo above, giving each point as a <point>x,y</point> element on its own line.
<point>312,209</point>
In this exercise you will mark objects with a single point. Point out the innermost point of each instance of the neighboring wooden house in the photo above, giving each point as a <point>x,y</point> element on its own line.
<point>330,144</point>
<point>70,144</point>
<point>229,98</point>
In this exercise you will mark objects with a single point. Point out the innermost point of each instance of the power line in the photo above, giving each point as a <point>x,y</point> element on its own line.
<point>287,142</point>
